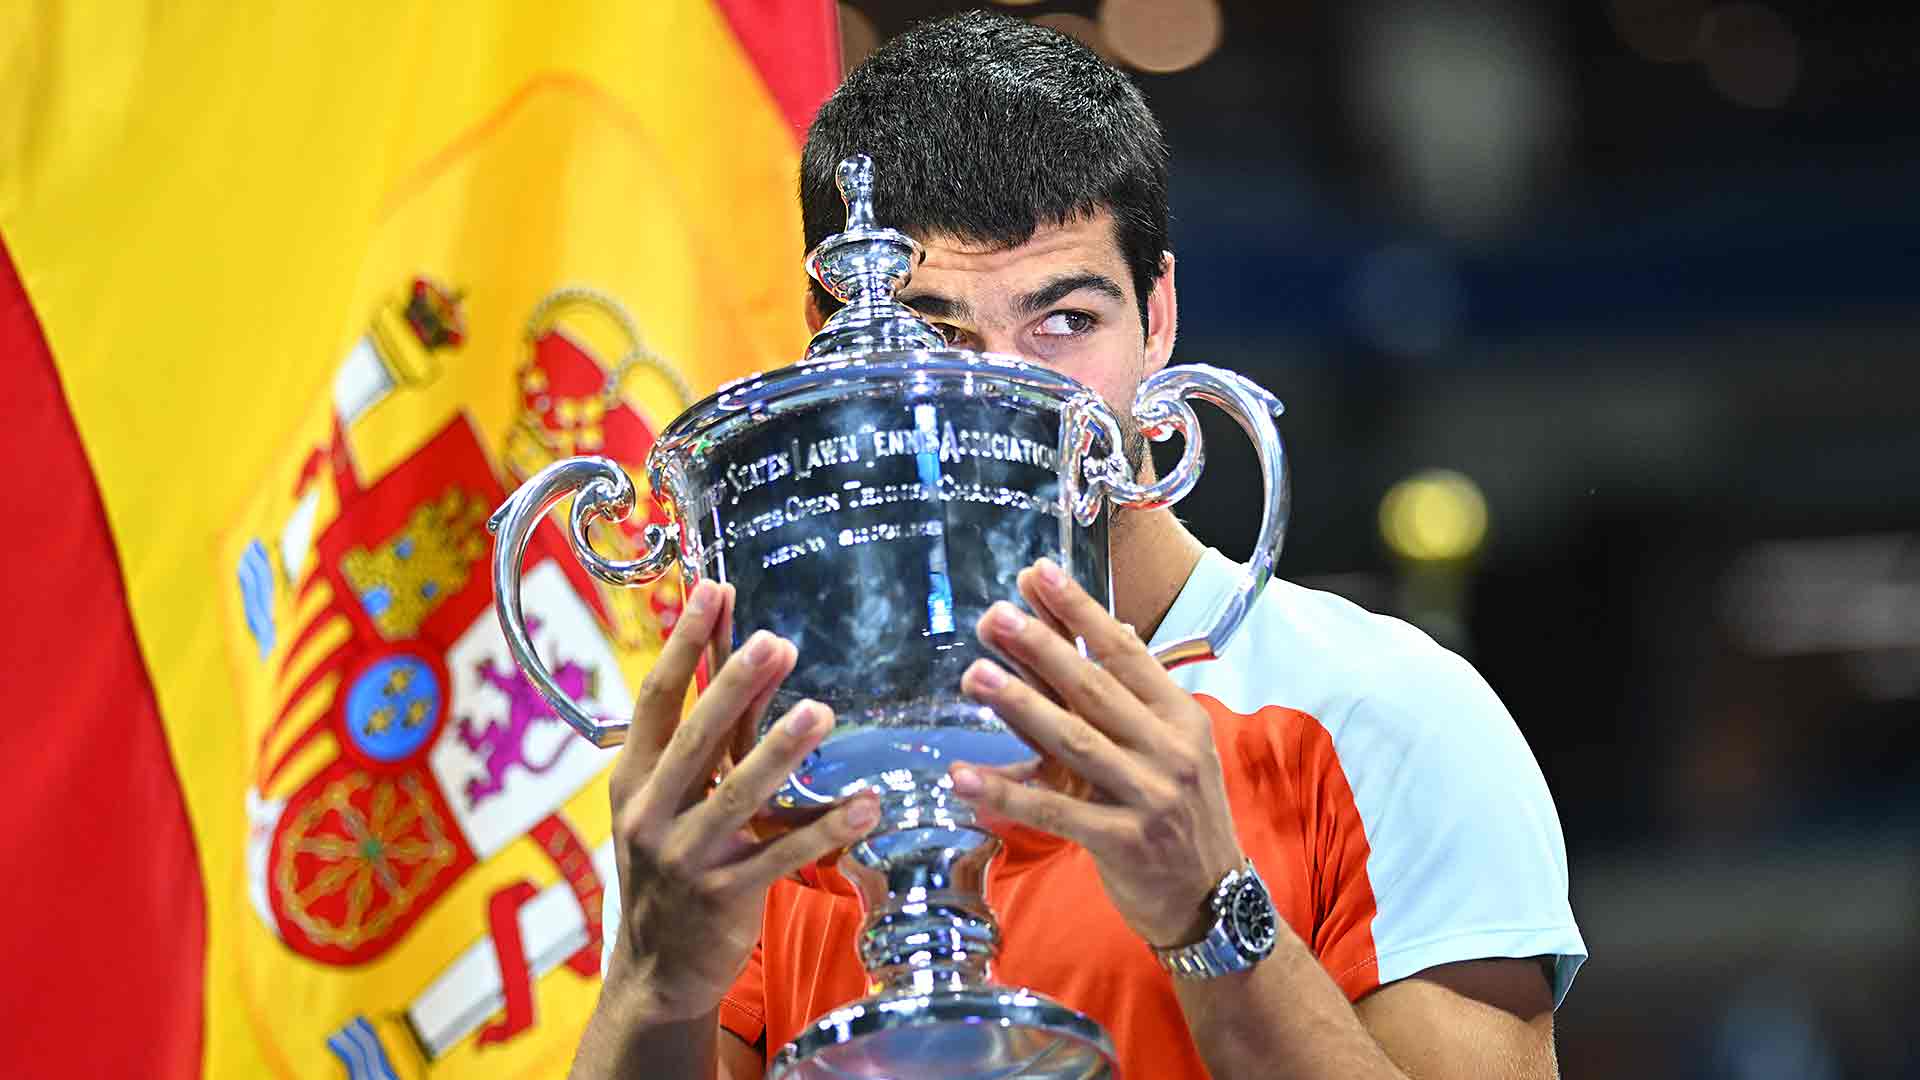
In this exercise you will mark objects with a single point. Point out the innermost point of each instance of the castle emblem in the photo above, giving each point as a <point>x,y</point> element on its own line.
<point>406,577</point>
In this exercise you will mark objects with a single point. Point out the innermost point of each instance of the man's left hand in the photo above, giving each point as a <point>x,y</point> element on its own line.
<point>1156,818</point>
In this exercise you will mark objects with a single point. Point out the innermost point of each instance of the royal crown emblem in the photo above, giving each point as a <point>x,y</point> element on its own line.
<point>573,403</point>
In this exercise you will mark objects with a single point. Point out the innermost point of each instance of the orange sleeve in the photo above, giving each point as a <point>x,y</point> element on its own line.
<point>1344,903</point>
<point>743,1011</point>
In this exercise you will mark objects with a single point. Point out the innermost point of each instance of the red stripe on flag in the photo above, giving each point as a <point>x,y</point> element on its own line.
<point>103,916</point>
<point>795,45</point>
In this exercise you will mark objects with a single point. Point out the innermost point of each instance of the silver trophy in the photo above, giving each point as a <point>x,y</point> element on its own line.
<point>869,503</point>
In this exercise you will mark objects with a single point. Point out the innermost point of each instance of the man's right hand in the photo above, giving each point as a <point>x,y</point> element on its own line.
<point>693,880</point>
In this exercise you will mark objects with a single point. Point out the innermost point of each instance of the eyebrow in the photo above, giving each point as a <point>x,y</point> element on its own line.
<point>1066,285</point>
<point>936,306</point>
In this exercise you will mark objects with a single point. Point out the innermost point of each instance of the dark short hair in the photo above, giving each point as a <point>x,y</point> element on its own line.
<point>986,127</point>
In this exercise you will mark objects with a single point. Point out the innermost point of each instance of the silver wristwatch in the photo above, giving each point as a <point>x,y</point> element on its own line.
<point>1245,928</point>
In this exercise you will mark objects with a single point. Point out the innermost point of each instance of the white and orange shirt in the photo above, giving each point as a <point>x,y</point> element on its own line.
<point>1380,787</point>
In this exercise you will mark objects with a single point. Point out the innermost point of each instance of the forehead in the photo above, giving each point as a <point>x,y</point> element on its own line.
<point>980,274</point>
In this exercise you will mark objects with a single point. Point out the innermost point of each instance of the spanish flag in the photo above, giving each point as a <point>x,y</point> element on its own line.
<point>290,296</point>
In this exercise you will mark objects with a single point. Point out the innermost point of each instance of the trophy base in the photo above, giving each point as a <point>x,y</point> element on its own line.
<point>983,1033</point>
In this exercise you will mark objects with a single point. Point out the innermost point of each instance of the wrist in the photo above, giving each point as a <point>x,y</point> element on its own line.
<point>638,994</point>
<point>1193,918</point>
<point>630,1034</point>
<point>1241,931</point>
<point>1199,923</point>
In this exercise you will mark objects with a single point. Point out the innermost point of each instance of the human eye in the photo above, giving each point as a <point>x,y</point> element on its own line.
<point>1065,324</point>
<point>954,336</point>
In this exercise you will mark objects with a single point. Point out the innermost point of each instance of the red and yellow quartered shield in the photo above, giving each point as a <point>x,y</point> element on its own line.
<point>289,299</point>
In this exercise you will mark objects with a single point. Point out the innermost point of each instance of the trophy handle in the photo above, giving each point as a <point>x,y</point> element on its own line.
<point>1161,407</point>
<point>604,491</point>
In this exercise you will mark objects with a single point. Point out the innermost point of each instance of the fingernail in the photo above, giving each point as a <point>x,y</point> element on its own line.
<point>1008,618</point>
<point>989,675</point>
<point>966,782</point>
<point>760,648</point>
<point>862,813</point>
<point>1051,575</point>
<point>807,719</point>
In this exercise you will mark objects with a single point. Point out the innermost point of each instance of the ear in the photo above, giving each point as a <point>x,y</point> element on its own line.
<point>815,320</point>
<point>1163,317</point>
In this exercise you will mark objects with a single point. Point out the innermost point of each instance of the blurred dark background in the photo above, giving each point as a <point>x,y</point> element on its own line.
<point>1595,324</point>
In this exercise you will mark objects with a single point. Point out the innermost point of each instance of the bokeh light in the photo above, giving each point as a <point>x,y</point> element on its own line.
<point>1434,516</point>
<point>1081,29</point>
<point>857,37</point>
<point>1162,35</point>
<point>1667,31</point>
<point>1751,55</point>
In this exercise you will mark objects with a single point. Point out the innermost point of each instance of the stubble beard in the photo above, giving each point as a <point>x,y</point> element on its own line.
<point>1133,446</point>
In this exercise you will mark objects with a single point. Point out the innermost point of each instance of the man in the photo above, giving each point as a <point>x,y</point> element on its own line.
<point>1380,790</point>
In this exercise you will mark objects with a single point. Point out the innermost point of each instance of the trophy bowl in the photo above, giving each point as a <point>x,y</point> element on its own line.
<point>869,503</point>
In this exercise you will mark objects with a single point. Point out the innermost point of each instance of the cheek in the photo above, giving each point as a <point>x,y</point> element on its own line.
<point>1113,373</point>
<point>1116,388</point>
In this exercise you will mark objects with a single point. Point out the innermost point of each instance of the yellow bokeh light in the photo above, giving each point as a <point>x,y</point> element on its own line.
<point>1434,516</point>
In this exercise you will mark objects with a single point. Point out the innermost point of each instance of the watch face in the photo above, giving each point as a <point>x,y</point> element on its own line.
<point>1251,916</point>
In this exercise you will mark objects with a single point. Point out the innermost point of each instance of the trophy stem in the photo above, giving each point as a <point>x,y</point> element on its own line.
<point>922,878</point>
<point>928,943</point>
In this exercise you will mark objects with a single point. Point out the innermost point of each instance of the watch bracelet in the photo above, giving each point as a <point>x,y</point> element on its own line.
<point>1216,953</point>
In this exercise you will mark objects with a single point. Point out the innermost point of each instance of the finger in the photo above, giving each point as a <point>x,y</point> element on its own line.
<point>663,693</point>
<point>1041,611</point>
<point>1111,643</point>
<point>1045,771</point>
<point>722,650</point>
<point>1040,771</point>
<point>753,781</point>
<point>720,644</point>
<point>745,731</point>
<point>1076,744</point>
<point>1093,826</point>
<point>1082,685</point>
<point>1048,772</point>
<point>1045,618</point>
<point>786,854</point>
<point>719,647</point>
<point>697,745</point>
<point>1019,772</point>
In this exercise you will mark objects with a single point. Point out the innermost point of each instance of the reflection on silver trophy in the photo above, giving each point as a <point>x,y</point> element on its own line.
<point>869,503</point>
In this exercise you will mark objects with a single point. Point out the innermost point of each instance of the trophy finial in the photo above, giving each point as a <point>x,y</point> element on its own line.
<point>854,177</point>
<point>863,266</point>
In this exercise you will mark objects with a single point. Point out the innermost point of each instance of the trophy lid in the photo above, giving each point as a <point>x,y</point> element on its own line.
<point>873,343</point>
<point>863,266</point>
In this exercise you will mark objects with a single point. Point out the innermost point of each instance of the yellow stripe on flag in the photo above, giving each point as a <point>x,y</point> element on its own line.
<point>314,278</point>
